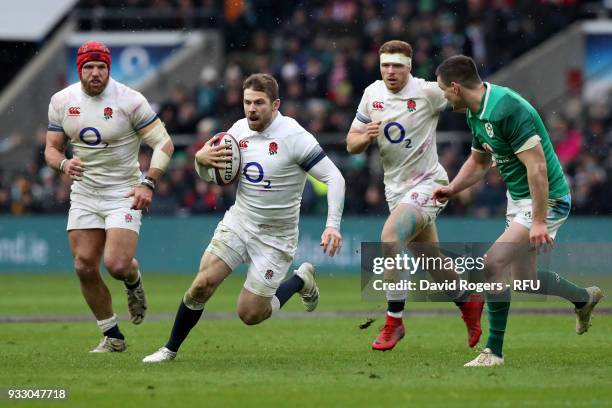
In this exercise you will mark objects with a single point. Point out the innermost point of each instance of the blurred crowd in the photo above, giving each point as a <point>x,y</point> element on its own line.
<point>324,53</point>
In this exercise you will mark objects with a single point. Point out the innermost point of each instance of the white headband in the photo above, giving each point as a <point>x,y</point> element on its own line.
<point>395,58</point>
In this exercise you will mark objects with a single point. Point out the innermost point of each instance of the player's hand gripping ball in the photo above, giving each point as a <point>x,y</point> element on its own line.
<point>219,159</point>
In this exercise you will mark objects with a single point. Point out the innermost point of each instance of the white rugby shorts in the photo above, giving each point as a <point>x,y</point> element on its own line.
<point>102,209</point>
<point>420,196</point>
<point>268,250</point>
<point>519,211</point>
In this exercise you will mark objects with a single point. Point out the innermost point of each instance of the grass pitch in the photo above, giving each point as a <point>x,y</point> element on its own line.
<point>324,362</point>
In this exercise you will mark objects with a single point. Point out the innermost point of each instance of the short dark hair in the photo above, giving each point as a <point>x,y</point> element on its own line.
<point>262,83</point>
<point>460,69</point>
<point>396,47</point>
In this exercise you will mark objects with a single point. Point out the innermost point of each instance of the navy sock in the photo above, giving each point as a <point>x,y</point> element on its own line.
<point>132,286</point>
<point>114,333</point>
<point>184,321</point>
<point>288,288</point>
<point>396,306</point>
<point>579,305</point>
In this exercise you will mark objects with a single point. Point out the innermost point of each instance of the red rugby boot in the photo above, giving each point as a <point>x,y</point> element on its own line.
<point>390,334</point>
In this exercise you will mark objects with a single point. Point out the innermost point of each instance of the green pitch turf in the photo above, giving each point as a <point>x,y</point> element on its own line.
<point>322,362</point>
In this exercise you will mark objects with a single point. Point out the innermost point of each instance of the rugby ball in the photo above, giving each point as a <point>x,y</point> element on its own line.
<point>229,173</point>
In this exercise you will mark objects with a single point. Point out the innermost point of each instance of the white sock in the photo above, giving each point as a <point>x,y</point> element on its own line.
<point>191,303</point>
<point>397,315</point>
<point>106,324</point>
<point>135,280</point>
<point>396,295</point>
<point>275,303</point>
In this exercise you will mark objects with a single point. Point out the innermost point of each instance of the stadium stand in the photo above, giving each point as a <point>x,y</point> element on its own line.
<point>324,54</point>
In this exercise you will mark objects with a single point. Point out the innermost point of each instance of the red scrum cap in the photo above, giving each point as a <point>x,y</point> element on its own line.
<point>93,51</point>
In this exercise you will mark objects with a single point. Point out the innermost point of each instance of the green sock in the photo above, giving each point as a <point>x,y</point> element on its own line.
<point>498,305</point>
<point>551,283</point>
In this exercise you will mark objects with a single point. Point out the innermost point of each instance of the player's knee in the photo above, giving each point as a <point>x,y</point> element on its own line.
<point>389,234</point>
<point>251,317</point>
<point>201,289</point>
<point>494,268</point>
<point>85,269</point>
<point>402,227</point>
<point>118,268</point>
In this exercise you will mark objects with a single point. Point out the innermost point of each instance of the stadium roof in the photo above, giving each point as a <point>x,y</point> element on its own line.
<point>31,20</point>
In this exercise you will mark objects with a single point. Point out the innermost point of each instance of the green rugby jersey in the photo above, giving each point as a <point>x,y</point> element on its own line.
<point>504,122</point>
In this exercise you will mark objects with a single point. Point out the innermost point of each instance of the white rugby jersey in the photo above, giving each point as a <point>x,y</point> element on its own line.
<point>407,137</point>
<point>273,172</point>
<point>102,130</point>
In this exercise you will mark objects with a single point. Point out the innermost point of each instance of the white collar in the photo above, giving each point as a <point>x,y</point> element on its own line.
<point>486,100</point>
<point>272,127</point>
<point>405,92</point>
<point>104,92</point>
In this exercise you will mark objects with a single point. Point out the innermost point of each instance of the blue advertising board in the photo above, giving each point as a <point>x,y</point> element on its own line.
<point>175,245</point>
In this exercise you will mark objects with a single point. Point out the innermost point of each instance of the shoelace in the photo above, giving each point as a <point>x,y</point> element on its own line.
<point>387,331</point>
<point>105,343</point>
<point>309,295</point>
<point>136,294</point>
<point>484,356</point>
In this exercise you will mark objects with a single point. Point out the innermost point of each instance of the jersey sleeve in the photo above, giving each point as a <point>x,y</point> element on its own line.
<point>362,117</point>
<point>141,113</point>
<point>518,127</point>
<point>55,116</point>
<point>476,145</point>
<point>307,151</point>
<point>435,96</point>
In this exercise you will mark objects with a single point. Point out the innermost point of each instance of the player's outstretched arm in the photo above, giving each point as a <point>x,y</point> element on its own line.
<point>537,177</point>
<point>472,171</point>
<point>55,158</point>
<point>360,137</point>
<point>328,173</point>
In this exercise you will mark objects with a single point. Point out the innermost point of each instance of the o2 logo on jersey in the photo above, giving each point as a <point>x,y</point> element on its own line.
<point>397,139</point>
<point>259,177</point>
<point>91,137</point>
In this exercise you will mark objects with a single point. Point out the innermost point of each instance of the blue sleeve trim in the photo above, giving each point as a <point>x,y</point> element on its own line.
<point>316,155</point>
<point>55,128</point>
<point>148,122</point>
<point>363,118</point>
